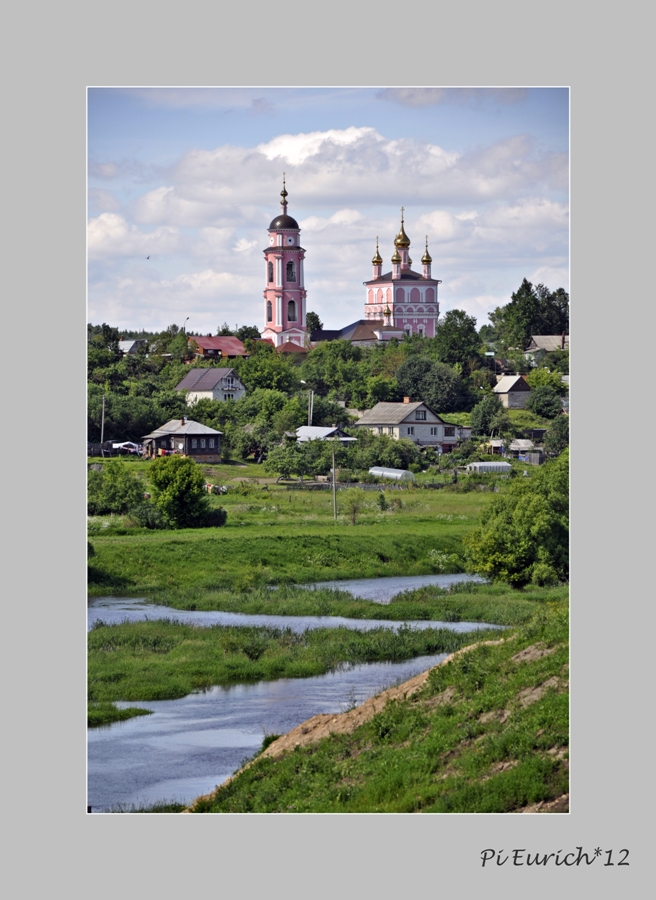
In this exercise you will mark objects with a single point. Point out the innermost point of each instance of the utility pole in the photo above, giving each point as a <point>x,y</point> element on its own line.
<point>334,486</point>
<point>102,428</point>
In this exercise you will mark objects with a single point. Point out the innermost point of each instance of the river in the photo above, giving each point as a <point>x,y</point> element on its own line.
<point>189,745</point>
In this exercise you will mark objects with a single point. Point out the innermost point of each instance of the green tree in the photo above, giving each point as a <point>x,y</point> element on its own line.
<point>179,491</point>
<point>541,377</point>
<point>489,416</point>
<point>457,340</point>
<point>116,489</point>
<point>524,532</point>
<point>556,439</point>
<point>544,401</point>
<point>532,310</point>
<point>313,322</point>
<point>269,370</point>
<point>353,501</point>
<point>247,332</point>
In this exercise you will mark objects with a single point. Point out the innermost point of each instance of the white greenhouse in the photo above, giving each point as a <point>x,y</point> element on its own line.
<point>392,474</point>
<point>499,468</point>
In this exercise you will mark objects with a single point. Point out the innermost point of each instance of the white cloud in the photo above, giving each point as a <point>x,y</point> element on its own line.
<point>297,148</point>
<point>493,215</point>
<point>109,235</point>
<point>347,168</point>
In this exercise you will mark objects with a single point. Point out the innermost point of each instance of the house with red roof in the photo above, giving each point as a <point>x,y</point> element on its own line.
<point>223,347</point>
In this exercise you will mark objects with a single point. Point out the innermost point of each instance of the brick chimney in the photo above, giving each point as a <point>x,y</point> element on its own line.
<point>406,400</point>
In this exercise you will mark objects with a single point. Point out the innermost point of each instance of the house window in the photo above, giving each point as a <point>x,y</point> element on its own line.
<point>228,396</point>
<point>411,429</point>
<point>211,440</point>
<point>172,443</point>
<point>269,311</point>
<point>449,432</point>
<point>291,311</point>
<point>194,443</point>
<point>291,272</point>
<point>202,443</point>
<point>390,431</point>
<point>434,431</point>
<point>270,271</point>
<point>229,382</point>
<point>421,414</point>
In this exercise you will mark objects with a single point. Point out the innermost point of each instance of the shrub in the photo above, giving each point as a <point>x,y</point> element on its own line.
<point>353,502</point>
<point>179,491</point>
<point>524,532</point>
<point>114,490</point>
<point>544,401</point>
<point>216,518</point>
<point>147,515</point>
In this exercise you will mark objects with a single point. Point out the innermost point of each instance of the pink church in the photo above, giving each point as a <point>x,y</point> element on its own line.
<point>402,300</point>
<point>284,294</point>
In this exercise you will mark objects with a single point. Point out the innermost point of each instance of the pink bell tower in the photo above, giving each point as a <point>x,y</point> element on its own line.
<point>284,294</point>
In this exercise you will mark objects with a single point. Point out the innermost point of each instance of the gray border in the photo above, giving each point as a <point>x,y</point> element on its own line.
<point>197,44</point>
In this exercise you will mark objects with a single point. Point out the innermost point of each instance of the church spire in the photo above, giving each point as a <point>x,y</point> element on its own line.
<point>402,239</point>
<point>284,195</point>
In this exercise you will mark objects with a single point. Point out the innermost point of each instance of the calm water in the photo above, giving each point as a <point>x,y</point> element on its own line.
<point>114,610</point>
<point>381,590</point>
<point>188,746</point>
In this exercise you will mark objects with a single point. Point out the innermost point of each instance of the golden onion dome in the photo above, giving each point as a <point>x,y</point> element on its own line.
<point>426,258</point>
<point>397,257</point>
<point>377,260</point>
<point>409,261</point>
<point>402,239</point>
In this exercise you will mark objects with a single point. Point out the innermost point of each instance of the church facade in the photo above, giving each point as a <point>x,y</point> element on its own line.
<point>403,299</point>
<point>284,292</point>
<point>397,303</point>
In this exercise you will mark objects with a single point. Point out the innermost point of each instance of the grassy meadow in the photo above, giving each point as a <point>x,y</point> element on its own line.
<point>163,660</point>
<point>276,536</point>
<point>488,732</point>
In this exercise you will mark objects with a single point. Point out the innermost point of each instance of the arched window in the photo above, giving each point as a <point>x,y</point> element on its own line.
<point>269,310</point>
<point>291,311</point>
<point>291,271</point>
<point>270,272</point>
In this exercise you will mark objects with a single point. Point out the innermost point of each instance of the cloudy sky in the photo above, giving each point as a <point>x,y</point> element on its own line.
<point>191,177</point>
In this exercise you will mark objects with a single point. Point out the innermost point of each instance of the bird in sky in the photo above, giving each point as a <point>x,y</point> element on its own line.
<point>148,257</point>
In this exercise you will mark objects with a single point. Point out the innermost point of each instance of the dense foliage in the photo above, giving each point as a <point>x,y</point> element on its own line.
<point>179,491</point>
<point>524,533</point>
<point>532,310</point>
<point>115,489</point>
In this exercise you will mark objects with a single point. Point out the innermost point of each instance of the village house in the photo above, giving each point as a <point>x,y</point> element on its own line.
<point>184,437</point>
<point>322,433</point>
<point>130,347</point>
<point>222,347</point>
<point>513,391</point>
<point>415,421</point>
<point>211,384</point>
<point>542,344</point>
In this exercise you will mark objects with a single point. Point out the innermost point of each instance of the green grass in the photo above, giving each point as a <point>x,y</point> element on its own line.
<point>497,604</point>
<point>471,740</point>
<point>105,713</point>
<point>279,537</point>
<point>160,660</point>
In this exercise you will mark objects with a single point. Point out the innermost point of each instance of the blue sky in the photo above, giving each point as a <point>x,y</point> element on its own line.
<point>191,177</point>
